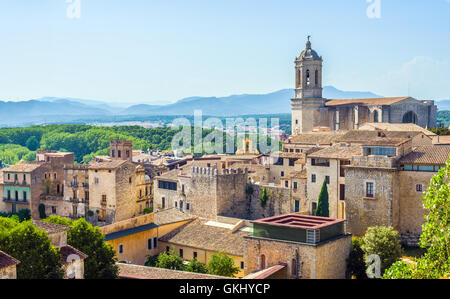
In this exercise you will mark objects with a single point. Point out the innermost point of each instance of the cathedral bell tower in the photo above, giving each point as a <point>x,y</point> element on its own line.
<point>308,91</point>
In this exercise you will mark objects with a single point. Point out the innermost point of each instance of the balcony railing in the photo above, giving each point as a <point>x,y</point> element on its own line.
<point>16,201</point>
<point>16,183</point>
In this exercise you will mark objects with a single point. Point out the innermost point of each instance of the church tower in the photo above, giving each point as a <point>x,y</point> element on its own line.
<point>308,100</point>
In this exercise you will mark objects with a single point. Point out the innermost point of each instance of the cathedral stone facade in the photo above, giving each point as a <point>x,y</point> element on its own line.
<point>310,110</point>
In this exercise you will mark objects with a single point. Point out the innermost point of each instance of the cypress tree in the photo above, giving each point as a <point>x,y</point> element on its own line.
<point>322,207</point>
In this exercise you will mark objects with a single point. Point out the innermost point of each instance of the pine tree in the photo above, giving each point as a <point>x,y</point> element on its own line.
<point>322,207</point>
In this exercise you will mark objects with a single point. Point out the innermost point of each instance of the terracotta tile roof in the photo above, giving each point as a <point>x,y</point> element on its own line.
<point>50,227</point>
<point>366,102</point>
<point>130,271</point>
<point>199,235</point>
<point>427,155</point>
<point>338,151</point>
<point>23,167</point>
<point>67,251</point>
<point>321,138</point>
<point>377,137</point>
<point>395,127</point>
<point>168,216</point>
<point>7,260</point>
<point>114,164</point>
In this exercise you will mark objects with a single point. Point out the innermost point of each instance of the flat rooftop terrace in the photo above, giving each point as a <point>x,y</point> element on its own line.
<point>299,221</point>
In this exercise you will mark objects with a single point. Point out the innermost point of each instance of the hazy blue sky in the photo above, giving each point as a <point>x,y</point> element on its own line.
<point>164,50</point>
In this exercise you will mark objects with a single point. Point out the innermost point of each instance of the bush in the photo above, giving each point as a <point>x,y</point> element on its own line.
<point>196,267</point>
<point>382,241</point>
<point>148,210</point>
<point>356,266</point>
<point>222,265</point>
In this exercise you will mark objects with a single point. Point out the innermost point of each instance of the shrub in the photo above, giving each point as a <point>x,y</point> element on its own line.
<point>196,267</point>
<point>222,265</point>
<point>382,241</point>
<point>148,210</point>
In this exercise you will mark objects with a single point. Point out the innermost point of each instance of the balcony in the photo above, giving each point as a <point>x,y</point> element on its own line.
<point>16,183</point>
<point>50,197</point>
<point>16,201</point>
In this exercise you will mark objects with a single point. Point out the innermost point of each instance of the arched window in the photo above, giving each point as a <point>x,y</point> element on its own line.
<point>316,77</point>
<point>410,118</point>
<point>375,116</point>
<point>262,261</point>
<point>308,78</point>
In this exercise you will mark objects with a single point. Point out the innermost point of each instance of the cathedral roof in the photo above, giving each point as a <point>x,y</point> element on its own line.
<point>366,102</point>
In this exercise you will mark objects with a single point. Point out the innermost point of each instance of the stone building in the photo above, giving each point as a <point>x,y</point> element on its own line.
<point>112,190</point>
<point>22,187</point>
<point>76,195</point>
<point>306,247</point>
<point>8,266</point>
<point>121,150</point>
<point>311,110</point>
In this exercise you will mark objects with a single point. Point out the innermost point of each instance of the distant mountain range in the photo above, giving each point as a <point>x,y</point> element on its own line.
<point>60,110</point>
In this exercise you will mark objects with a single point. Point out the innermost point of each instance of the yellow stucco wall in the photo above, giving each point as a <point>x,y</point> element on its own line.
<point>135,248</point>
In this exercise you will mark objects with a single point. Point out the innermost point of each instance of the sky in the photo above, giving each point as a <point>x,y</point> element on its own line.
<point>159,51</point>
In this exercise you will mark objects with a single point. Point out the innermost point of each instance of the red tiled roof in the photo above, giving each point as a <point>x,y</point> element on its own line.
<point>67,251</point>
<point>366,102</point>
<point>7,260</point>
<point>299,221</point>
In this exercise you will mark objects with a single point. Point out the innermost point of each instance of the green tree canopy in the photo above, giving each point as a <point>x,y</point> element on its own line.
<point>39,259</point>
<point>170,260</point>
<point>323,206</point>
<point>223,265</point>
<point>32,143</point>
<point>384,242</point>
<point>101,261</point>
<point>196,267</point>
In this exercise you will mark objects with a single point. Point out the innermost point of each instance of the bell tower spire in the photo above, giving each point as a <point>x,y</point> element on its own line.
<point>308,99</point>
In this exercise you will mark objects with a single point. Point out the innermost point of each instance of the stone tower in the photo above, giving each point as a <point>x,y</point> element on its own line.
<point>308,100</point>
<point>121,150</point>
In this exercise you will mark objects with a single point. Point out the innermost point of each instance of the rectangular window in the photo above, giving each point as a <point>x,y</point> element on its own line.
<point>282,174</point>
<point>96,181</point>
<point>53,210</point>
<point>295,185</point>
<point>419,188</point>
<point>195,254</point>
<point>163,202</point>
<point>313,178</point>
<point>286,184</point>
<point>155,242</point>
<point>181,253</point>
<point>149,244</point>
<point>297,206</point>
<point>167,185</point>
<point>327,180</point>
<point>120,248</point>
<point>370,190</point>
<point>292,162</point>
<point>242,265</point>
<point>342,192</point>
<point>188,206</point>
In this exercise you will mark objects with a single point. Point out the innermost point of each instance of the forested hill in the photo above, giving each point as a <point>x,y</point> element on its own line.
<point>84,140</point>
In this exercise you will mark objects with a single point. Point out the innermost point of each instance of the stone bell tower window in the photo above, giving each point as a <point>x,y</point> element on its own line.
<point>308,78</point>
